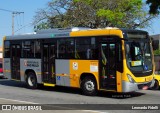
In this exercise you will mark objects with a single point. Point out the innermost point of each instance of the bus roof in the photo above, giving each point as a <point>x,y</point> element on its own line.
<point>71,32</point>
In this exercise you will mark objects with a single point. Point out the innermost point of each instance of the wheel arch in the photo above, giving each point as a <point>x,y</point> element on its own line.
<point>27,71</point>
<point>83,75</point>
<point>156,85</point>
<point>158,80</point>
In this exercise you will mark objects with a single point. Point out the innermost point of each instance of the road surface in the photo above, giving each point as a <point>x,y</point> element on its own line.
<point>69,99</point>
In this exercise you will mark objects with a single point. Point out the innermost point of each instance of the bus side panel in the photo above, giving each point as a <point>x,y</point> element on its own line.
<point>68,72</point>
<point>78,67</point>
<point>62,72</point>
<point>31,64</point>
<point>7,68</point>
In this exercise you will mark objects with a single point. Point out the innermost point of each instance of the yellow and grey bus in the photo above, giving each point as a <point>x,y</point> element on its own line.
<point>109,59</point>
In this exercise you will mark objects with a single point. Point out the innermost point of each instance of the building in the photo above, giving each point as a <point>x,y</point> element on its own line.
<point>156,46</point>
<point>156,41</point>
<point>1,54</point>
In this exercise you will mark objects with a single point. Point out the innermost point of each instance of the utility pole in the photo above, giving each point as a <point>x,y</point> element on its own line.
<point>13,15</point>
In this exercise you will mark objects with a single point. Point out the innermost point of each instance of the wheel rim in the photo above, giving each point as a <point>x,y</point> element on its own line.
<point>89,85</point>
<point>31,81</point>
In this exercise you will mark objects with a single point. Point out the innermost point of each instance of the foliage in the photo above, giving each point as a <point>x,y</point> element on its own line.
<point>42,25</point>
<point>157,52</point>
<point>154,6</point>
<point>94,14</point>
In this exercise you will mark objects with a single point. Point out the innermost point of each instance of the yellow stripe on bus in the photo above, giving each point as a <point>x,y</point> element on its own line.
<point>38,73</point>
<point>7,70</point>
<point>48,84</point>
<point>62,75</point>
<point>107,90</point>
<point>90,32</point>
<point>16,80</point>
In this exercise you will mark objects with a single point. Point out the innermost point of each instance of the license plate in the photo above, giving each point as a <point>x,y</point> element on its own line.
<point>145,87</point>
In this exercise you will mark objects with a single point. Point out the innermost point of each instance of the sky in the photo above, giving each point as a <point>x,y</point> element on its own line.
<point>22,22</point>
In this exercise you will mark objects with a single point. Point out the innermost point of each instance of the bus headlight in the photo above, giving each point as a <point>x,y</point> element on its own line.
<point>130,78</point>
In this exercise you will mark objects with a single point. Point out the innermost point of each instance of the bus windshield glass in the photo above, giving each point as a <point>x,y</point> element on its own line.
<point>139,57</point>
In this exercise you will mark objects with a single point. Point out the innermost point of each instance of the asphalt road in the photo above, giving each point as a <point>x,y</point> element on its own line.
<point>69,99</point>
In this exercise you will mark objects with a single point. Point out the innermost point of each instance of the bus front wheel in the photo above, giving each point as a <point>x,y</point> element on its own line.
<point>156,85</point>
<point>31,80</point>
<point>89,86</point>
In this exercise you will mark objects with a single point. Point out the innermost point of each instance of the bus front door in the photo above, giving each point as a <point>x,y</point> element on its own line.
<point>48,63</point>
<point>107,66</point>
<point>15,61</point>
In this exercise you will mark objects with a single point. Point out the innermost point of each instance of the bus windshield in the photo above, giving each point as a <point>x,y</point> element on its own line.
<point>139,57</point>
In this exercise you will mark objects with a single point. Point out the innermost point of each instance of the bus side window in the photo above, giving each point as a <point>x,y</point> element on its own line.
<point>62,51</point>
<point>81,47</point>
<point>7,49</point>
<point>61,48</point>
<point>88,53</point>
<point>37,49</point>
<point>70,49</point>
<point>26,49</point>
<point>86,49</point>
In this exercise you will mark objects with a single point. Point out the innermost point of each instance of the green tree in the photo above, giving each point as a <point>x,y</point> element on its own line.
<point>154,6</point>
<point>53,15</point>
<point>42,25</point>
<point>94,14</point>
<point>157,52</point>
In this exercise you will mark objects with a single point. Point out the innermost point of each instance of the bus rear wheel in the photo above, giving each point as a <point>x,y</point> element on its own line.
<point>31,80</point>
<point>89,86</point>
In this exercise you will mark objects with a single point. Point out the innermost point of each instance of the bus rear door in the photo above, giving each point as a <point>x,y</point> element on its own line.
<point>48,63</point>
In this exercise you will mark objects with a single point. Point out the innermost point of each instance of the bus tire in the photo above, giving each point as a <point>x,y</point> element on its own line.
<point>31,80</point>
<point>156,85</point>
<point>89,86</point>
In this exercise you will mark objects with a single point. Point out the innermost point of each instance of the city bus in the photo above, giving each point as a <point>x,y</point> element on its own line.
<point>108,59</point>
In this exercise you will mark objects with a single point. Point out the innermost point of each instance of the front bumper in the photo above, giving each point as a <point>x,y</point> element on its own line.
<point>131,87</point>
